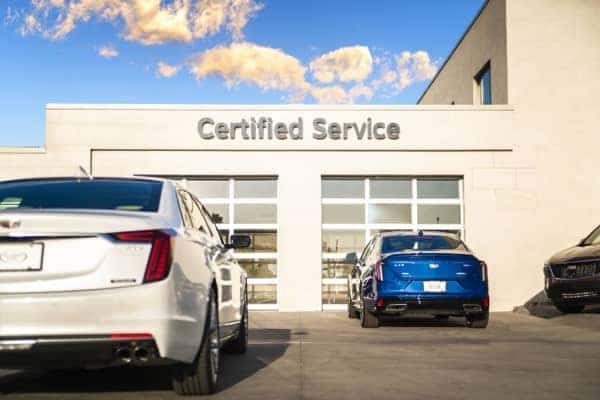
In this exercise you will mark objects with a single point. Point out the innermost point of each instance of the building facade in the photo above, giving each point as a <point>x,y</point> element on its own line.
<point>501,149</point>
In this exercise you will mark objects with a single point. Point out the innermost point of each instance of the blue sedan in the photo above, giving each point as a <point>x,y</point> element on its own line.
<point>431,273</point>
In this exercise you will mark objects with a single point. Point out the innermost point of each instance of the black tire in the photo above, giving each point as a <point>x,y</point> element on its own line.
<point>478,321</point>
<point>367,319</point>
<point>352,313</point>
<point>239,345</point>
<point>569,308</point>
<point>201,376</point>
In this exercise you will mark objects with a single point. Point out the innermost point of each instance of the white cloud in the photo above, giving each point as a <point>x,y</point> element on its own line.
<point>108,51</point>
<point>344,64</point>
<point>166,70</point>
<point>265,67</point>
<point>329,94</point>
<point>413,67</point>
<point>145,21</point>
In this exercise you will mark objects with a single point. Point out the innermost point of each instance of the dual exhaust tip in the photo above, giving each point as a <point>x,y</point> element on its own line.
<point>127,355</point>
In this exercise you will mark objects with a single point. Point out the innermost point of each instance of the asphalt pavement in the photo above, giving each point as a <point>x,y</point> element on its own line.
<point>327,356</point>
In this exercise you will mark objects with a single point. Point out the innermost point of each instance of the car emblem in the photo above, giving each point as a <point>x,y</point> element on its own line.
<point>9,257</point>
<point>10,223</point>
<point>434,266</point>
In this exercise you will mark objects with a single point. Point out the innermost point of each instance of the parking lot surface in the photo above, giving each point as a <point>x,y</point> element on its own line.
<point>327,356</point>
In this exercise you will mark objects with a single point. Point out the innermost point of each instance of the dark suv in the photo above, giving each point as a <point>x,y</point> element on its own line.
<point>572,276</point>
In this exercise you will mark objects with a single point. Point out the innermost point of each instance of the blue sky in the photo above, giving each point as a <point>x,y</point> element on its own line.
<point>217,51</point>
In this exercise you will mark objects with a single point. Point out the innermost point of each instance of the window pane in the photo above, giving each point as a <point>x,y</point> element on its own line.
<point>259,268</point>
<point>342,188</point>
<point>262,242</point>
<point>259,188</point>
<point>255,213</point>
<point>486,87</point>
<point>437,189</point>
<point>389,214</point>
<point>262,294</point>
<point>335,294</point>
<point>335,269</point>
<point>343,241</point>
<point>209,189</point>
<point>343,214</point>
<point>439,214</point>
<point>389,188</point>
<point>218,212</point>
<point>96,194</point>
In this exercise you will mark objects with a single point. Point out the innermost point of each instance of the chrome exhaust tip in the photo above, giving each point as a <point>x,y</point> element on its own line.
<point>124,354</point>
<point>141,354</point>
<point>396,308</point>
<point>472,308</point>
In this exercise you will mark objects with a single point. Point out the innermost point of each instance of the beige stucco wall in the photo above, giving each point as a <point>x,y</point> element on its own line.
<point>553,64</point>
<point>485,41</point>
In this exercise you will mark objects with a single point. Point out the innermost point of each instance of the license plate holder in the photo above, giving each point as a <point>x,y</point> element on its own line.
<point>21,257</point>
<point>434,286</point>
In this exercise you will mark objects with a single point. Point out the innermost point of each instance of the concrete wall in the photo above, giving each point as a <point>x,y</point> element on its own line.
<point>484,41</point>
<point>554,64</point>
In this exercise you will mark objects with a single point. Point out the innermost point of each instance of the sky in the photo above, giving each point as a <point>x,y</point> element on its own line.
<point>217,52</point>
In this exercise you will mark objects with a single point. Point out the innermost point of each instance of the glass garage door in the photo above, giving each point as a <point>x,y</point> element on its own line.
<point>247,206</point>
<point>354,208</point>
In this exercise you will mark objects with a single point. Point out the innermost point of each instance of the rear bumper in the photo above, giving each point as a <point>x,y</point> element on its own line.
<point>398,305</point>
<point>65,352</point>
<point>581,291</point>
<point>173,314</point>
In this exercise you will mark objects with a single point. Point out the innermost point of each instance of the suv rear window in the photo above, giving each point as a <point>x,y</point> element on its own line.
<point>393,244</point>
<point>96,194</point>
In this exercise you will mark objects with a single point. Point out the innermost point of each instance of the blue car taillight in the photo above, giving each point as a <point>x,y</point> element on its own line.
<point>484,272</point>
<point>379,270</point>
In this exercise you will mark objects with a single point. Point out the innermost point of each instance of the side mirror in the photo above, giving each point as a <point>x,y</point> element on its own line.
<point>351,258</point>
<point>239,242</point>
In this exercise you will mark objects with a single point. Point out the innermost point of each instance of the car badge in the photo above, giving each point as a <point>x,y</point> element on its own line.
<point>10,223</point>
<point>434,266</point>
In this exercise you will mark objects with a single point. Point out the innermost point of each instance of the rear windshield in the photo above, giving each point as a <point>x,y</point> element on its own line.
<point>393,244</point>
<point>97,194</point>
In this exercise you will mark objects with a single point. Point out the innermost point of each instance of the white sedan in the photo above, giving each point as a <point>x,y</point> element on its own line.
<point>113,271</point>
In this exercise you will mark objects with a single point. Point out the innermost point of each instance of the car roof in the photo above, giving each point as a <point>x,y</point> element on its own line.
<point>58,178</point>
<point>413,233</point>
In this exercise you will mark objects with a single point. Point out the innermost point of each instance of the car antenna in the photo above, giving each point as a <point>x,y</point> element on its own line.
<point>85,173</point>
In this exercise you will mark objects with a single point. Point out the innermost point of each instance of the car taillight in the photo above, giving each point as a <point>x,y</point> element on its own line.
<point>486,303</point>
<point>159,261</point>
<point>484,272</point>
<point>379,270</point>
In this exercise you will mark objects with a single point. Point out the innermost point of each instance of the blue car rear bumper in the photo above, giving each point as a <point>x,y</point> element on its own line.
<point>428,304</point>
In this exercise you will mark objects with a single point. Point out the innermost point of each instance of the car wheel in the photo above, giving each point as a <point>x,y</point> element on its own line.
<point>569,308</point>
<point>239,345</point>
<point>479,321</point>
<point>200,377</point>
<point>368,319</point>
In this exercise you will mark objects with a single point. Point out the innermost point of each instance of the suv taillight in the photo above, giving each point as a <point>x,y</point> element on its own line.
<point>159,261</point>
<point>379,270</point>
<point>484,272</point>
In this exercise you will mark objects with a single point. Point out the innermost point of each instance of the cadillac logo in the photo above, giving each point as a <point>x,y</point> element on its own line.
<point>10,223</point>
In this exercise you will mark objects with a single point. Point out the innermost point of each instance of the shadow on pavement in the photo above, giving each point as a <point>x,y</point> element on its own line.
<point>272,344</point>
<point>540,306</point>
<point>423,321</point>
